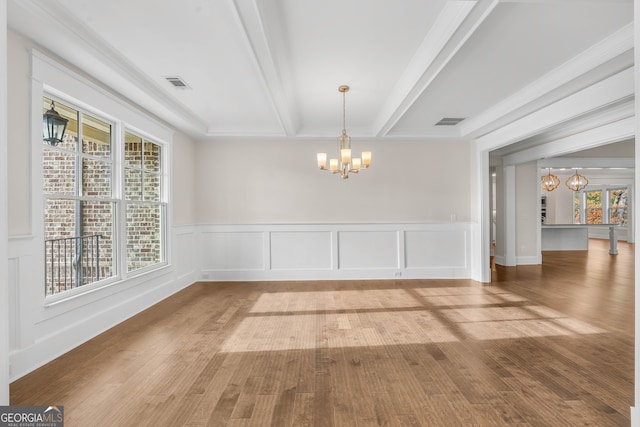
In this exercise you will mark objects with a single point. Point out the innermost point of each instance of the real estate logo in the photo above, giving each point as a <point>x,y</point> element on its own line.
<point>31,416</point>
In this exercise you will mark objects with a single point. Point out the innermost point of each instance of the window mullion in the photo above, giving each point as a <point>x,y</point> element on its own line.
<point>121,203</point>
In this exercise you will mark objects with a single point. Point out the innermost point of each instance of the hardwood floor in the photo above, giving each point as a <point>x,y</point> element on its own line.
<point>548,345</point>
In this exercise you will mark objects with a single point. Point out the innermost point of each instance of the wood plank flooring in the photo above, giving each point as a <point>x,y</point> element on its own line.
<point>547,345</point>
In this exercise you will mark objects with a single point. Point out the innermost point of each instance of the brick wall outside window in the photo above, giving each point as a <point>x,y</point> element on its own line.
<point>78,181</point>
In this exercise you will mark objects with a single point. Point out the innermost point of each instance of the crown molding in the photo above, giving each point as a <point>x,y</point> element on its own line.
<point>84,38</point>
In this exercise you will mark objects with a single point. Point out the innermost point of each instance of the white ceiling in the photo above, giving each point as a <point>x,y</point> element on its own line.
<point>271,68</point>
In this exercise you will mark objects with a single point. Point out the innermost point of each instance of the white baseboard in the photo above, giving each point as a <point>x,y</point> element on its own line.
<point>45,349</point>
<point>521,260</point>
<point>528,260</point>
<point>40,331</point>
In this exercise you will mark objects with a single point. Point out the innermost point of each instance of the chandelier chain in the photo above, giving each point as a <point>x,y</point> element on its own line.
<point>344,112</point>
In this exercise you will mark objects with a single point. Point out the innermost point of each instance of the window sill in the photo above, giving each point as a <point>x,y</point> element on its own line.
<point>115,283</point>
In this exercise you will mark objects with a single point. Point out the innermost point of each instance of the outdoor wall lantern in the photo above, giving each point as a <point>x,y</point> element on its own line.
<point>53,126</point>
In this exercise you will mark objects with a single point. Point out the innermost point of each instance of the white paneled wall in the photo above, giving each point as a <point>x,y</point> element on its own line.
<point>40,332</point>
<point>335,251</point>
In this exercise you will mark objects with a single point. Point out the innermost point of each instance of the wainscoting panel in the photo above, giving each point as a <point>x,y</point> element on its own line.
<point>436,249</point>
<point>301,250</point>
<point>233,250</point>
<point>245,252</point>
<point>183,252</point>
<point>371,250</point>
<point>14,303</point>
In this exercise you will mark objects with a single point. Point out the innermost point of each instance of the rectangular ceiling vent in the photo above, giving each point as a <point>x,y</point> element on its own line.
<point>177,82</point>
<point>449,121</point>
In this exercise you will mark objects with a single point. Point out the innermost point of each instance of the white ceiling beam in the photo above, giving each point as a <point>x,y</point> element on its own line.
<point>608,91</point>
<point>563,1</point>
<point>94,47</point>
<point>251,25</point>
<point>608,114</point>
<point>457,21</point>
<point>588,162</point>
<point>614,45</point>
<point>613,132</point>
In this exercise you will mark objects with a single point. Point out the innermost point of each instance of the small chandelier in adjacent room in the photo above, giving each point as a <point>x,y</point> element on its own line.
<point>576,182</point>
<point>53,126</point>
<point>344,164</point>
<point>550,182</point>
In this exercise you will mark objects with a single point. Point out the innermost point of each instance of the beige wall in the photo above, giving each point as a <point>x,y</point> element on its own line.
<point>184,178</point>
<point>19,168</point>
<point>559,201</point>
<point>278,182</point>
<point>526,209</point>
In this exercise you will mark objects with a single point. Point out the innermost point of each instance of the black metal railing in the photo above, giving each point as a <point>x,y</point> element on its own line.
<point>71,262</point>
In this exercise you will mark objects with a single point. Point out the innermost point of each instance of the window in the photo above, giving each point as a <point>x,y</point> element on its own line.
<point>603,205</point>
<point>92,223</point>
<point>145,211</point>
<point>618,206</point>
<point>593,207</point>
<point>79,208</point>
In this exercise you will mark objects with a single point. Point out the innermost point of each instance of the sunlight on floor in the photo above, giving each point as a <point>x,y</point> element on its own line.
<point>333,300</point>
<point>381,317</point>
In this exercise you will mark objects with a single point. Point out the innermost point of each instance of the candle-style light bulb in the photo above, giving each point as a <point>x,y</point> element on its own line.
<point>322,160</point>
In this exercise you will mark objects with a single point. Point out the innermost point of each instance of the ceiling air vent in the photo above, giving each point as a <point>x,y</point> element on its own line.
<point>177,82</point>
<point>449,121</point>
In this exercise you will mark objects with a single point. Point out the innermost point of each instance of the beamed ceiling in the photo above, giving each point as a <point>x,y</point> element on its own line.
<point>271,68</point>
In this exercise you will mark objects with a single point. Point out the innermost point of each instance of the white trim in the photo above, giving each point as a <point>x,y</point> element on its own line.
<point>635,411</point>
<point>598,54</point>
<point>529,260</point>
<point>61,81</point>
<point>251,25</point>
<point>481,232</point>
<point>4,272</point>
<point>602,135</point>
<point>96,50</point>
<point>589,162</point>
<point>53,78</point>
<point>613,89</point>
<point>41,333</point>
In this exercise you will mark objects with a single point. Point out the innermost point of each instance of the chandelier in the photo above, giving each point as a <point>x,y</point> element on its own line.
<point>576,182</point>
<point>550,182</point>
<point>344,164</point>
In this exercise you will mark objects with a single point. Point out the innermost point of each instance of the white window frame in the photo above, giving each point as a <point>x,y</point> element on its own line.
<point>58,82</point>
<point>164,196</point>
<point>605,189</point>
<point>115,179</point>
